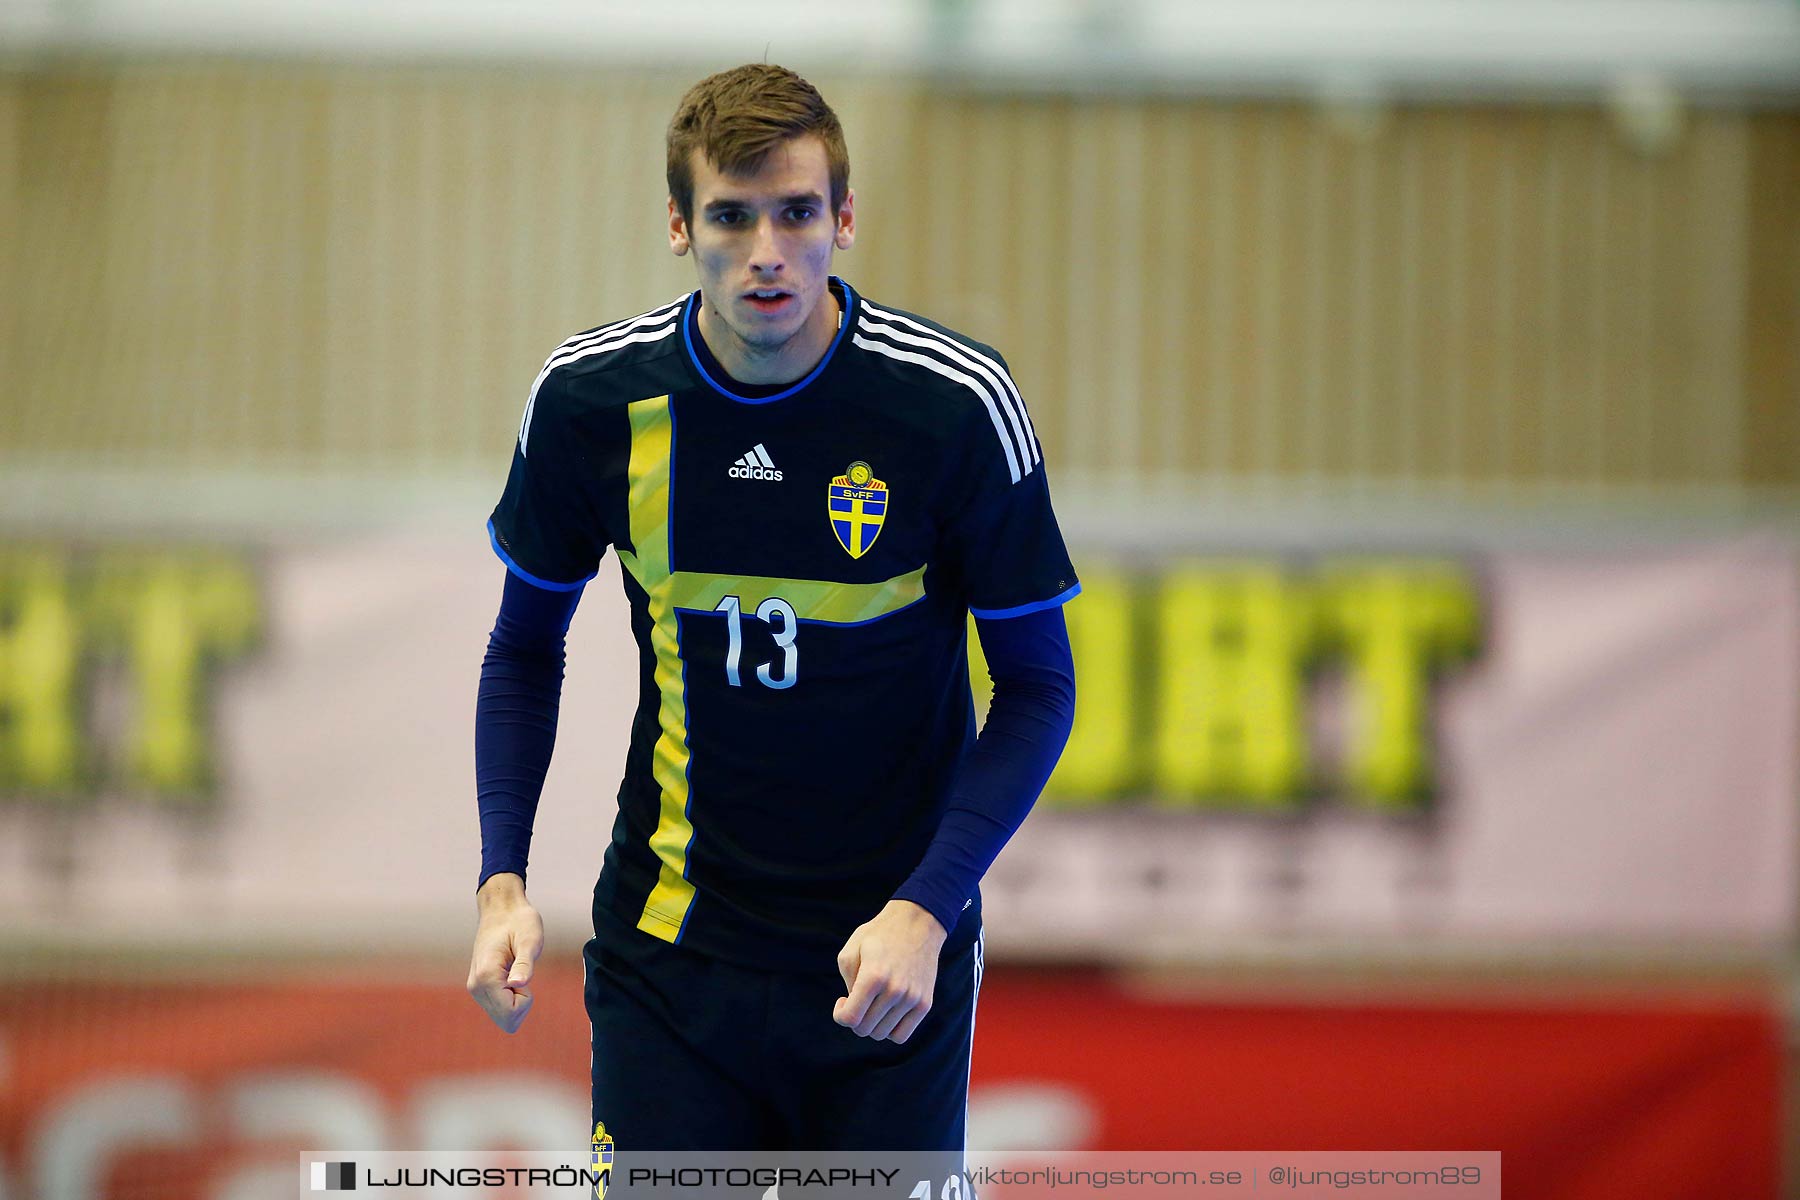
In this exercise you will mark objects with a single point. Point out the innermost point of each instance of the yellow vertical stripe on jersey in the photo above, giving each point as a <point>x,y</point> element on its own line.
<point>647,499</point>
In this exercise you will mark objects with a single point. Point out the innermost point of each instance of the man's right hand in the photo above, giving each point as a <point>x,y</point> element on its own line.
<point>508,941</point>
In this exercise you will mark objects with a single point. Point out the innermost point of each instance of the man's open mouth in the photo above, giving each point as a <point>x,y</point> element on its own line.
<point>768,299</point>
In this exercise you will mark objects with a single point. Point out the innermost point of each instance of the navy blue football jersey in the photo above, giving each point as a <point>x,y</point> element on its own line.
<point>800,567</point>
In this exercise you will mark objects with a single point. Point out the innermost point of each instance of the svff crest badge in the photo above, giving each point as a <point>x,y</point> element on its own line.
<point>857,504</point>
<point>603,1159</point>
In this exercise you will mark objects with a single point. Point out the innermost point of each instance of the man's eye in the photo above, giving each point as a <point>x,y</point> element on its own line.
<point>726,218</point>
<point>800,213</point>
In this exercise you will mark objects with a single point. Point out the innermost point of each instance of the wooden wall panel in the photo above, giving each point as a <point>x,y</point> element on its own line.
<point>338,268</point>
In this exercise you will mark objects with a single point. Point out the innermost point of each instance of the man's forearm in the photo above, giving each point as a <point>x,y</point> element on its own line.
<point>502,889</point>
<point>516,708</point>
<point>1027,726</point>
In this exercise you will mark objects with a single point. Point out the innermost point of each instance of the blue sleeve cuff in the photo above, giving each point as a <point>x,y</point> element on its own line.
<point>522,573</point>
<point>1061,598</point>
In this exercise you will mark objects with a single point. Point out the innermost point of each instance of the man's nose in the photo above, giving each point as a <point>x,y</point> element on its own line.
<point>765,257</point>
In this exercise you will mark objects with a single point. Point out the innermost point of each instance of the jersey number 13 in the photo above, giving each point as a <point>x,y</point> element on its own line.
<point>785,633</point>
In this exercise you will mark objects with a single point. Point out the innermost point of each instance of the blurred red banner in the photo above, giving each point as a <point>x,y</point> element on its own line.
<point>198,1088</point>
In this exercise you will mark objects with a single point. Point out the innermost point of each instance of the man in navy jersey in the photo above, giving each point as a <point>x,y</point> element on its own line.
<point>808,493</point>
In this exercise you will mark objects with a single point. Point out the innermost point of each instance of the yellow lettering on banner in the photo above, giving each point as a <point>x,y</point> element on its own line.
<point>186,613</point>
<point>40,642</point>
<point>1397,623</point>
<point>173,615</point>
<point>1232,641</point>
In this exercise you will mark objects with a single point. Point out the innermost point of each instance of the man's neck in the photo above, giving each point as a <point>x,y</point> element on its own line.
<point>785,363</point>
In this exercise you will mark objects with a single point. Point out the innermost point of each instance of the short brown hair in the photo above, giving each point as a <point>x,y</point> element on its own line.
<point>736,117</point>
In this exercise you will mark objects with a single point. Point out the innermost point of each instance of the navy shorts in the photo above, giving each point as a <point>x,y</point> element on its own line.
<point>695,1053</point>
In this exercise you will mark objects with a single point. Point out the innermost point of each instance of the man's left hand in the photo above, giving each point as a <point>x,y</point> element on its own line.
<point>889,967</point>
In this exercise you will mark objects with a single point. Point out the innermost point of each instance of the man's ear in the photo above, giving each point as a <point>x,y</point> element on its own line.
<point>678,230</point>
<point>846,221</point>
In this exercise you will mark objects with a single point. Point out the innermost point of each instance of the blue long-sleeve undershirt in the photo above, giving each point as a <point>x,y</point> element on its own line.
<point>515,718</point>
<point>1028,723</point>
<point>999,780</point>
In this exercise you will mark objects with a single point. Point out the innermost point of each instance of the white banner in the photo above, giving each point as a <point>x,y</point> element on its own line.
<point>1396,756</point>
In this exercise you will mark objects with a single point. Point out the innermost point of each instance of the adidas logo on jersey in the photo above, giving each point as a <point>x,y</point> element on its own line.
<point>755,465</point>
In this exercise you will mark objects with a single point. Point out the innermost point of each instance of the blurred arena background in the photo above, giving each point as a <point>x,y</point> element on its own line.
<point>1420,384</point>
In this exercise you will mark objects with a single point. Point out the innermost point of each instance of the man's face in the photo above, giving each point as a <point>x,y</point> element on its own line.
<point>769,234</point>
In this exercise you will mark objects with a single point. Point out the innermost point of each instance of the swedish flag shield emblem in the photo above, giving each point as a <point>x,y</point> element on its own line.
<point>603,1160</point>
<point>857,504</point>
